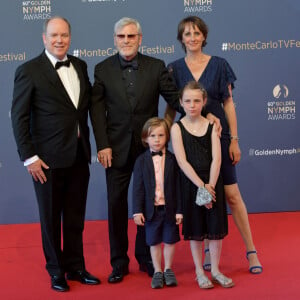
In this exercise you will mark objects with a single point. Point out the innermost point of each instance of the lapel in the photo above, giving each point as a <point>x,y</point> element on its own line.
<point>141,80</point>
<point>167,168</point>
<point>150,168</point>
<point>50,73</point>
<point>80,74</point>
<point>116,79</point>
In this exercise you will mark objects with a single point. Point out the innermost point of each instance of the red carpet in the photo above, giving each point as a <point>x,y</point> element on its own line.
<point>276,236</point>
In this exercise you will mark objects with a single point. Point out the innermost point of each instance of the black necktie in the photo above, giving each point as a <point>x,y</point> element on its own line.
<point>156,153</point>
<point>129,64</point>
<point>65,63</point>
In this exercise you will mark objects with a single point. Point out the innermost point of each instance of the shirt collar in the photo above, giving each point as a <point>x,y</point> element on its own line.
<point>53,59</point>
<point>133,62</point>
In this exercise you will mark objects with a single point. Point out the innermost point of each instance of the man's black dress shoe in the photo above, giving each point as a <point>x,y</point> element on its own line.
<point>83,276</point>
<point>117,274</point>
<point>147,267</point>
<point>59,283</point>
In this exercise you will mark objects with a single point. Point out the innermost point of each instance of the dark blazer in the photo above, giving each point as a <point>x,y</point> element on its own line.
<point>114,120</point>
<point>144,186</point>
<point>44,119</point>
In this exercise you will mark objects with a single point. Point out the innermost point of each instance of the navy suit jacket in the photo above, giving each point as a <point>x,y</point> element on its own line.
<point>144,186</point>
<point>44,118</point>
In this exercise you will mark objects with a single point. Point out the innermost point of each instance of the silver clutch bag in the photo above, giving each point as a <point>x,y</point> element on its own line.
<point>203,197</point>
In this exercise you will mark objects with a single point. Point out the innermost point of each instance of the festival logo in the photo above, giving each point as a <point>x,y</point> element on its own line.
<point>12,56</point>
<point>260,45</point>
<point>144,49</point>
<point>281,107</point>
<point>89,53</point>
<point>197,6</point>
<point>274,152</point>
<point>36,10</point>
<point>280,90</point>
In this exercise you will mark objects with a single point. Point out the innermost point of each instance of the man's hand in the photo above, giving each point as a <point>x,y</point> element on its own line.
<point>170,115</point>
<point>36,170</point>
<point>214,120</point>
<point>105,157</point>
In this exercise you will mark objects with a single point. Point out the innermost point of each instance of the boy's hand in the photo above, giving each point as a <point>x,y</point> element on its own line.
<point>139,219</point>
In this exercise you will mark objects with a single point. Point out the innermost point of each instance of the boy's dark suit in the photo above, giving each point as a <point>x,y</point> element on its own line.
<point>144,186</point>
<point>45,123</point>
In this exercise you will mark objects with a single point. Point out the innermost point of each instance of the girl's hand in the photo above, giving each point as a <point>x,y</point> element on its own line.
<point>211,190</point>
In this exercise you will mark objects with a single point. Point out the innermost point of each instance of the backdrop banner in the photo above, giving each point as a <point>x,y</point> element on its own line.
<point>259,39</point>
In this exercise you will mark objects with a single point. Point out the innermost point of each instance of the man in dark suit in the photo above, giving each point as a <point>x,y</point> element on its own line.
<point>49,114</point>
<point>126,94</point>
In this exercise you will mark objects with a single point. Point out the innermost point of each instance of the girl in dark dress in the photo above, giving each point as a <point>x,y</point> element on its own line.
<point>197,149</point>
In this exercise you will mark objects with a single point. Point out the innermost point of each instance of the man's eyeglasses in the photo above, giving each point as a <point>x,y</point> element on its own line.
<point>129,36</point>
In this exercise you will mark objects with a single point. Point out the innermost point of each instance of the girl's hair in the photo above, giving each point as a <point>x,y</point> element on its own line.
<point>193,85</point>
<point>195,22</point>
<point>150,125</point>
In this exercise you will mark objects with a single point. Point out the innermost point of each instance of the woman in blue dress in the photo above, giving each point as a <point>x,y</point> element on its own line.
<point>216,75</point>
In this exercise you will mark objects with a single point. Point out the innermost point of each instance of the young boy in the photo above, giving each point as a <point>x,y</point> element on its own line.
<point>157,199</point>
